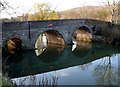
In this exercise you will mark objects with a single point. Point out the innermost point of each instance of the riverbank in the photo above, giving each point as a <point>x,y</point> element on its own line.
<point>109,35</point>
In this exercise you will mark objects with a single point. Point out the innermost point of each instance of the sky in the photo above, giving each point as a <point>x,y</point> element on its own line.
<point>24,6</point>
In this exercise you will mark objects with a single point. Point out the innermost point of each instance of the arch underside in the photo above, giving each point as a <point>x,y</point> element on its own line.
<point>14,45</point>
<point>54,37</point>
<point>82,34</point>
<point>48,39</point>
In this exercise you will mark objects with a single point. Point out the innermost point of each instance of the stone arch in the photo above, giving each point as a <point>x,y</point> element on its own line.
<point>54,37</point>
<point>85,28</point>
<point>48,38</point>
<point>82,33</point>
<point>14,45</point>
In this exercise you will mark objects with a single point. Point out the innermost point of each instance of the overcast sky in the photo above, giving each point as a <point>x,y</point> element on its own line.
<point>59,5</point>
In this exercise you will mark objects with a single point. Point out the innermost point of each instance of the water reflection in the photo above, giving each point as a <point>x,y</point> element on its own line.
<point>42,80</point>
<point>82,49</point>
<point>74,44</point>
<point>106,73</point>
<point>84,66</point>
<point>54,52</point>
<point>83,61</point>
<point>15,58</point>
<point>77,75</point>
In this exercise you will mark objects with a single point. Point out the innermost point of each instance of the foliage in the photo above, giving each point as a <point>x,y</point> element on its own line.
<point>4,81</point>
<point>111,34</point>
<point>41,11</point>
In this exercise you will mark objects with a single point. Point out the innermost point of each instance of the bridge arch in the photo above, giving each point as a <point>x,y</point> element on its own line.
<point>14,45</point>
<point>82,33</point>
<point>47,39</point>
<point>85,28</point>
<point>54,37</point>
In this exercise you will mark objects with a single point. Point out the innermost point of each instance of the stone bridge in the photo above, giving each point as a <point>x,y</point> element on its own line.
<point>29,31</point>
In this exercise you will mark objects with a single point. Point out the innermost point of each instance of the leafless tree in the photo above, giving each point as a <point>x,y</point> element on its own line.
<point>113,9</point>
<point>4,6</point>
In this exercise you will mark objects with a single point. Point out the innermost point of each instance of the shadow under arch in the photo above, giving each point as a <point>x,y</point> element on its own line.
<point>51,43</point>
<point>85,28</point>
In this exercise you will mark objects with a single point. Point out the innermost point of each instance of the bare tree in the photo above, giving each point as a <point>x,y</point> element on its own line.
<point>113,9</point>
<point>4,6</point>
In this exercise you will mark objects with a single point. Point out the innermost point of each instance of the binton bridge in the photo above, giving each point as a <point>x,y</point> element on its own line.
<point>29,31</point>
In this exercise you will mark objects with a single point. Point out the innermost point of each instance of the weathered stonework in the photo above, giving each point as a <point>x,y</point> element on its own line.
<point>29,31</point>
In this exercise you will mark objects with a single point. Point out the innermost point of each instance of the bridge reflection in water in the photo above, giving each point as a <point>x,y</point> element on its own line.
<point>56,58</point>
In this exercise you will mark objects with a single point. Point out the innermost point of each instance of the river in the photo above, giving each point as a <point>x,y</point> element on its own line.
<point>90,64</point>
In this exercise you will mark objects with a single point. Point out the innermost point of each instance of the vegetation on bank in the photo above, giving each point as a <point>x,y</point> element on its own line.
<point>112,35</point>
<point>5,81</point>
<point>41,11</point>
